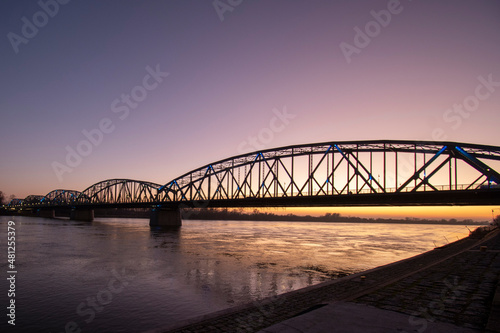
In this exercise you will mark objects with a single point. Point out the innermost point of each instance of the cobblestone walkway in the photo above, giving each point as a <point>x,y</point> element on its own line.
<point>462,282</point>
<point>458,290</point>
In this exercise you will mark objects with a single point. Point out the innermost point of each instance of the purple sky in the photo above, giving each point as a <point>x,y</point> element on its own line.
<point>227,80</point>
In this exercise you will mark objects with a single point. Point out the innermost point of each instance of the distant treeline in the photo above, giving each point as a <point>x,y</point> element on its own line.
<point>256,215</point>
<point>219,214</point>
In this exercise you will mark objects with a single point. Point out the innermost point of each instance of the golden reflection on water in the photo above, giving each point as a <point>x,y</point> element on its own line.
<point>201,267</point>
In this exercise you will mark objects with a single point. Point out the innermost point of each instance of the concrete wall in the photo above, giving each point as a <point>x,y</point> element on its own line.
<point>82,215</point>
<point>165,217</point>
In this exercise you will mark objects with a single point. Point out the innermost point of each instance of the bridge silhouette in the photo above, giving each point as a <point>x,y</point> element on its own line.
<point>355,173</point>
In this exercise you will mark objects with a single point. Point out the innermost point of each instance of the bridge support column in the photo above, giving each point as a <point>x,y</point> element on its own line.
<point>164,217</point>
<point>82,215</point>
<point>48,213</point>
<point>27,212</point>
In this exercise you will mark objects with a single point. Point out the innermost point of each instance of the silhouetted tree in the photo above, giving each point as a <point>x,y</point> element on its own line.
<point>2,198</point>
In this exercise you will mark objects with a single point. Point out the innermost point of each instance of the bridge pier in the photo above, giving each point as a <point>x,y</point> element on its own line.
<point>164,217</point>
<point>26,212</point>
<point>82,215</point>
<point>48,213</point>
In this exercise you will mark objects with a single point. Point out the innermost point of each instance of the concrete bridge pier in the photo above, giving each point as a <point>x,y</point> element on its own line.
<point>26,212</point>
<point>82,215</point>
<point>48,213</point>
<point>165,217</point>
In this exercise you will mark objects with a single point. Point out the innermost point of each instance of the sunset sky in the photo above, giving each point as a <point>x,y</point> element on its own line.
<point>174,85</point>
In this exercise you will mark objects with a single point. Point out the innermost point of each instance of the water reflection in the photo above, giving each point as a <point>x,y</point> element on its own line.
<point>198,268</point>
<point>158,230</point>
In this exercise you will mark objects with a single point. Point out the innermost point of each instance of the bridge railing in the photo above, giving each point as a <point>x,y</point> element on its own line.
<point>458,187</point>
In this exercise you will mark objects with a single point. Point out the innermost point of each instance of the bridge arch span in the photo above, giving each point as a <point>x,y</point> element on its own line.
<point>119,191</point>
<point>15,202</point>
<point>347,173</point>
<point>60,197</point>
<point>33,200</point>
<point>333,169</point>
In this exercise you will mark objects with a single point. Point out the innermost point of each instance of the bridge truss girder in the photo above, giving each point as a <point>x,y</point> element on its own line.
<point>328,174</point>
<point>119,191</point>
<point>332,169</point>
<point>60,197</point>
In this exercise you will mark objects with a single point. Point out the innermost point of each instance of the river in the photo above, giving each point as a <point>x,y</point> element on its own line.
<point>119,275</point>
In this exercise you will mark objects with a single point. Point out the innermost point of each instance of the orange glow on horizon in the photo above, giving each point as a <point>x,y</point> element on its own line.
<point>476,213</point>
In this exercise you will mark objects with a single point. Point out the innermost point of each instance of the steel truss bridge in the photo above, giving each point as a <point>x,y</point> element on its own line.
<point>356,173</point>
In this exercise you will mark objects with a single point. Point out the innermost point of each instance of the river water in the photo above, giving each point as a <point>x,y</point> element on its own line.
<point>119,275</point>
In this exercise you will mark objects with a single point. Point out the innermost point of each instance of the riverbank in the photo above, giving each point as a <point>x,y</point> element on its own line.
<point>256,215</point>
<point>408,287</point>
